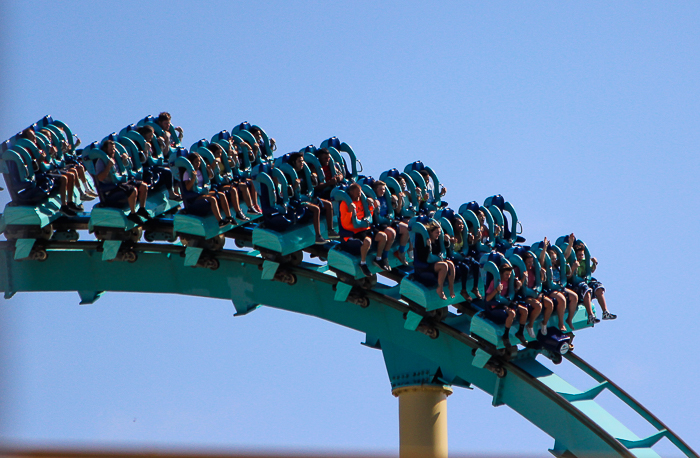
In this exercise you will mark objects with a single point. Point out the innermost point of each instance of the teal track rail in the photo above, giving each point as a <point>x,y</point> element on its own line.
<point>579,426</point>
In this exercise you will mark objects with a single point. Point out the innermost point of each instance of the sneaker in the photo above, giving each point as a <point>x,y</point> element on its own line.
<point>520,336</point>
<point>142,212</point>
<point>241,216</point>
<point>332,234</point>
<point>530,331</point>
<point>224,222</point>
<point>544,330</point>
<point>175,197</point>
<point>365,270</point>
<point>85,197</point>
<point>320,240</point>
<point>66,210</point>
<point>592,320</point>
<point>378,263</point>
<point>134,218</point>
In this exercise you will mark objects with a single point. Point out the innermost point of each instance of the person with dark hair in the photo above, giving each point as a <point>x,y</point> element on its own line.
<point>383,239</point>
<point>164,121</point>
<point>395,224</point>
<point>229,189</point>
<point>199,204</point>
<point>116,192</point>
<point>587,289</point>
<point>502,311</point>
<point>466,265</point>
<point>296,160</point>
<point>428,258</point>
<point>156,176</point>
<point>246,188</point>
<point>332,174</point>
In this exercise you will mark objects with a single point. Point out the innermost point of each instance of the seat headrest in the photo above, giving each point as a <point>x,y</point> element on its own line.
<point>394,173</point>
<point>418,166</point>
<point>245,125</point>
<point>448,213</point>
<point>334,142</point>
<point>497,201</point>
<point>473,206</point>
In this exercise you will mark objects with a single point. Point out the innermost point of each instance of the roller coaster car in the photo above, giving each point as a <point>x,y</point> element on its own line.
<point>287,227</point>
<point>498,207</point>
<point>345,257</point>
<point>414,170</point>
<point>445,217</point>
<point>111,222</point>
<point>197,232</point>
<point>335,147</point>
<point>469,211</point>
<point>580,319</point>
<point>411,204</point>
<point>202,148</point>
<point>421,287</point>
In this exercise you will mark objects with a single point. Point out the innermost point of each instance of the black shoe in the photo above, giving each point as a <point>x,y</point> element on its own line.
<point>242,217</point>
<point>385,265</point>
<point>134,218</point>
<point>143,213</point>
<point>378,263</point>
<point>520,336</point>
<point>76,208</point>
<point>224,222</point>
<point>365,270</point>
<point>66,210</point>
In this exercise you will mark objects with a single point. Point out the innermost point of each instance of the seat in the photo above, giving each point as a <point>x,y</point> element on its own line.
<point>509,234</point>
<point>413,170</point>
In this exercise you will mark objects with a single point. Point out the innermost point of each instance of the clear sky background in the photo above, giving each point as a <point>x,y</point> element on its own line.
<point>583,114</point>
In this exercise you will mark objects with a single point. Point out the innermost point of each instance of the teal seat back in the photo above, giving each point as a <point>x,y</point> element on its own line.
<point>339,195</point>
<point>310,158</point>
<point>262,179</point>
<point>414,169</point>
<point>489,267</point>
<point>118,174</point>
<point>181,165</point>
<point>25,173</point>
<point>209,159</point>
<point>34,153</point>
<point>133,152</point>
<point>562,243</point>
<point>505,206</point>
<point>415,226</point>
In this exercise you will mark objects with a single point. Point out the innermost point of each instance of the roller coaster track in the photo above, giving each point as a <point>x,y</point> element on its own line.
<point>443,352</point>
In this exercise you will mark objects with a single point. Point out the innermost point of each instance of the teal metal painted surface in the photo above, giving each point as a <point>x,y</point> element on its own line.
<point>578,424</point>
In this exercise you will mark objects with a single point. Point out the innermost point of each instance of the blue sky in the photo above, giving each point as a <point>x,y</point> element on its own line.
<point>583,115</point>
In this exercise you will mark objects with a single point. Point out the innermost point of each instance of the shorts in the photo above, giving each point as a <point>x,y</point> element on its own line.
<point>31,196</point>
<point>371,233</point>
<point>591,286</point>
<point>498,313</point>
<point>116,195</point>
<point>197,207</point>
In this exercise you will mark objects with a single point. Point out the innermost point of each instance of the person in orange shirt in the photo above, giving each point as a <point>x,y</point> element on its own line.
<point>384,239</point>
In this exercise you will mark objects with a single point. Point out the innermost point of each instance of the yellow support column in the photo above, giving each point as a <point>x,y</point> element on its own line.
<point>423,420</point>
